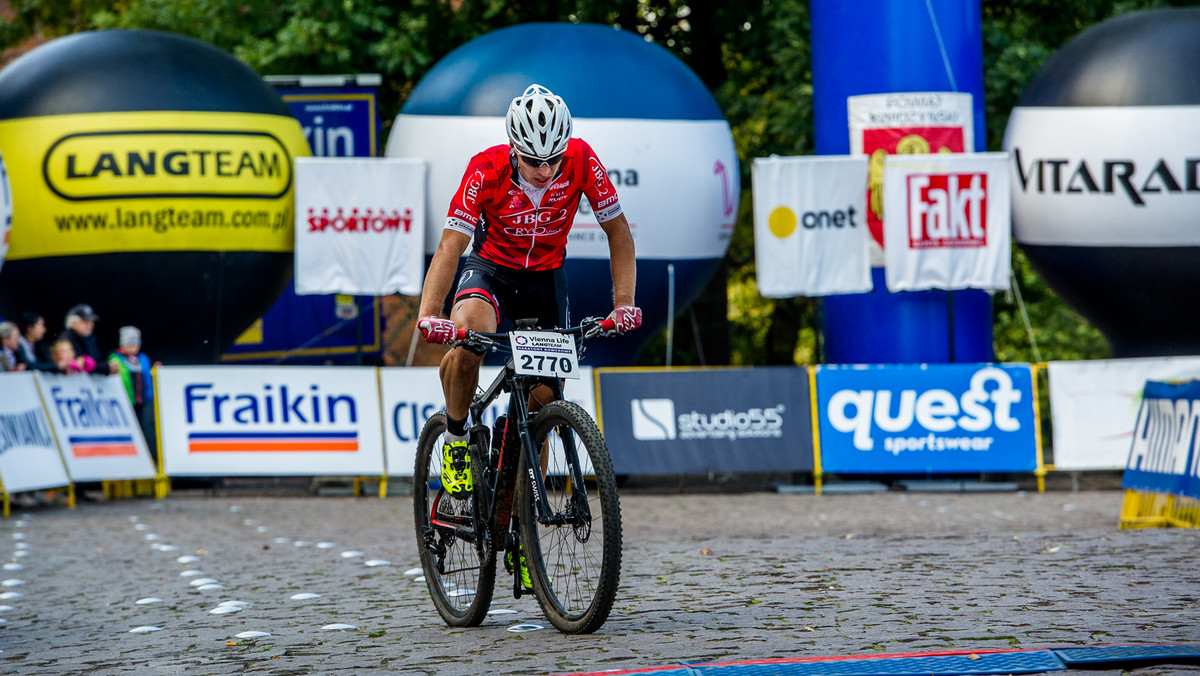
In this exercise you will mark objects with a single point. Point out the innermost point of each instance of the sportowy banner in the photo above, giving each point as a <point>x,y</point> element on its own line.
<point>905,123</point>
<point>810,229</point>
<point>100,437</point>
<point>359,226</point>
<point>948,221</point>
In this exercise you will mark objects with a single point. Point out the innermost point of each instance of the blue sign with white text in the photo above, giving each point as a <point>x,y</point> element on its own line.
<point>927,419</point>
<point>1163,457</point>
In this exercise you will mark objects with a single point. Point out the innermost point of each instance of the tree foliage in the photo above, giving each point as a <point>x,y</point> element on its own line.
<point>753,56</point>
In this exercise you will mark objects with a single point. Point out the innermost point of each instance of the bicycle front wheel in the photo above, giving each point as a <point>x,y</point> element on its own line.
<point>460,573</point>
<point>574,553</point>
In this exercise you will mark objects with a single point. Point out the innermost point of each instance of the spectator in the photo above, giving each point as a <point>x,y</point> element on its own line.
<point>33,343</point>
<point>10,348</point>
<point>81,327</point>
<point>63,354</point>
<point>134,368</point>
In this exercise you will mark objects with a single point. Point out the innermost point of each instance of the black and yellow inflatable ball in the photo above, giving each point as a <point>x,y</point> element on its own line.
<point>152,179</point>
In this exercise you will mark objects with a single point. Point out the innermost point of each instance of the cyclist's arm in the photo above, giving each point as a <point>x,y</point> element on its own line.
<point>622,259</point>
<point>441,272</point>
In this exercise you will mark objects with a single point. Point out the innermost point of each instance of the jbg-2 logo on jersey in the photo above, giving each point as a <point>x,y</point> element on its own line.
<point>947,210</point>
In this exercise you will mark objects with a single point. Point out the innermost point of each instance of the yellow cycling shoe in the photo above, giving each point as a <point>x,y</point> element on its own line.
<point>511,568</point>
<point>456,469</point>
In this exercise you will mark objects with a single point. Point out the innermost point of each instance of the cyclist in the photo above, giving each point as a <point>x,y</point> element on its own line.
<point>517,202</point>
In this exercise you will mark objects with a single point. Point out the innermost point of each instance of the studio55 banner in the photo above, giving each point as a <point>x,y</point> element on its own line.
<point>694,421</point>
<point>926,419</point>
<point>358,226</point>
<point>948,221</point>
<point>810,229</point>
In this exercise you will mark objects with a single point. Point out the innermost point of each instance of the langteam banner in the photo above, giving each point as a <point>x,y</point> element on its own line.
<point>934,418</point>
<point>694,421</point>
<point>124,181</point>
<point>1164,457</point>
<point>269,421</point>
<point>100,437</point>
<point>29,458</point>
<point>412,395</point>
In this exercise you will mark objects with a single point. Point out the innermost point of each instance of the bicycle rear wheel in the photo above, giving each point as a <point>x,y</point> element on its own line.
<point>460,574</point>
<point>574,566</point>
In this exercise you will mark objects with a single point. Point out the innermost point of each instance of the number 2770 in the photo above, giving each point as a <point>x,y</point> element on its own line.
<point>546,363</point>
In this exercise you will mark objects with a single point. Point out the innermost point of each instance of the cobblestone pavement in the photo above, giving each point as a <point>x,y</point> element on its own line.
<point>705,577</point>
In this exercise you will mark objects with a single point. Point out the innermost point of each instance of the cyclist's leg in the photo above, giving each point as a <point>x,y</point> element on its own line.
<point>474,308</point>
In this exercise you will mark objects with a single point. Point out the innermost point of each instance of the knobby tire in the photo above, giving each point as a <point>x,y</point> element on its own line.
<point>575,568</point>
<point>462,589</point>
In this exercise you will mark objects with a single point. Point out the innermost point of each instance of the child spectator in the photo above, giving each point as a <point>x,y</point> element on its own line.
<point>63,354</point>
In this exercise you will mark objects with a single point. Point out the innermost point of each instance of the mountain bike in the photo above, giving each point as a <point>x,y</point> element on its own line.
<point>543,493</point>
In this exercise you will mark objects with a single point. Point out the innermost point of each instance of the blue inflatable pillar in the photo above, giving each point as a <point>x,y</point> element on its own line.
<point>879,48</point>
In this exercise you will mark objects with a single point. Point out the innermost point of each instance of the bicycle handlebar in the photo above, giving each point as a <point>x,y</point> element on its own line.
<point>589,327</point>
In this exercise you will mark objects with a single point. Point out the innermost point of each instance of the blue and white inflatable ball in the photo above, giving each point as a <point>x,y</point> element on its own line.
<point>660,134</point>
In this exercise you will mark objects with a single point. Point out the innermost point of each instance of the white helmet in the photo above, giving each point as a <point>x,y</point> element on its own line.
<point>539,124</point>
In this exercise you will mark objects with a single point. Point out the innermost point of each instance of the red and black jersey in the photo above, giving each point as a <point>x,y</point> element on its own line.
<point>520,228</point>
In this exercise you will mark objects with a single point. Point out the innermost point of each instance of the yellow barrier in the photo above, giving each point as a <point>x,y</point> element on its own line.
<point>1158,510</point>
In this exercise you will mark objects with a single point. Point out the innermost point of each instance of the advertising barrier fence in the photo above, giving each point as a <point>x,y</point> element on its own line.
<point>216,421</point>
<point>29,457</point>
<point>1095,405</point>
<point>96,428</point>
<point>269,421</point>
<point>695,421</point>
<point>949,418</point>
<point>1162,475</point>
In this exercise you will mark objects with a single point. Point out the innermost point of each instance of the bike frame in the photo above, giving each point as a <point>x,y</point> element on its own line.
<point>498,506</point>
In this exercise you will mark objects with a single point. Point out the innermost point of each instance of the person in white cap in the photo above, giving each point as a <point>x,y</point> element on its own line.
<point>134,367</point>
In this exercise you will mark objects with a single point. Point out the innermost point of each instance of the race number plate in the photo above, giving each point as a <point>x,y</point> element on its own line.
<point>542,353</point>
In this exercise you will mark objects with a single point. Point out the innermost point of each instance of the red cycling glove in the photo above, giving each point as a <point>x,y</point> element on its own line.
<point>436,330</point>
<point>625,318</point>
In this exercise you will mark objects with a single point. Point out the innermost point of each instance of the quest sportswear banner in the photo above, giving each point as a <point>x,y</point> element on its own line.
<point>947,221</point>
<point>358,226</point>
<point>810,232</point>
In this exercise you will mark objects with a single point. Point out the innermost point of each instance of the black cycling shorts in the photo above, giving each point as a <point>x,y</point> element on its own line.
<point>516,294</point>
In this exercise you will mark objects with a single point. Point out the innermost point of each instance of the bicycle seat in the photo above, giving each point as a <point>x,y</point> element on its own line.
<point>525,324</point>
